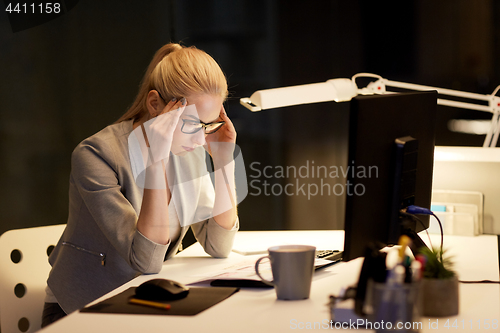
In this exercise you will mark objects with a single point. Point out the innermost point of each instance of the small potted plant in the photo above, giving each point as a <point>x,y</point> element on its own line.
<point>439,285</point>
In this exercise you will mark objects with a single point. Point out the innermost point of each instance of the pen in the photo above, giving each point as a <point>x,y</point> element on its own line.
<point>404,241</point>
<point>423,261</point>
<point>416,269</point>
<point>152,304</point>
<point>407,266</point>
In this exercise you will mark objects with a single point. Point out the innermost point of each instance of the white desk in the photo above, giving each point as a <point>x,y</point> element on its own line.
<point>253,310</point>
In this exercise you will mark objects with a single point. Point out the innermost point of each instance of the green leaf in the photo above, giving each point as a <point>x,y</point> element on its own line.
<point>438,266</point>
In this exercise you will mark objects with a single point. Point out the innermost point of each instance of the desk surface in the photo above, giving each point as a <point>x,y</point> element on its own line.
<point>252,310</point>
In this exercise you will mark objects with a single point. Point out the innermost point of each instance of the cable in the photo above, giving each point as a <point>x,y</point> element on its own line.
<point>424,211</point>
<point>442,234</point>
<point>410,210</point>
<point>415,218</point>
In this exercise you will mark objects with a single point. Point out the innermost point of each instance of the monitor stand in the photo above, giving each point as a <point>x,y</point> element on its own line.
<point>408,229</point>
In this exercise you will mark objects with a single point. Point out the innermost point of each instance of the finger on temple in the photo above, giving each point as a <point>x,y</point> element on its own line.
<point>171,105</point>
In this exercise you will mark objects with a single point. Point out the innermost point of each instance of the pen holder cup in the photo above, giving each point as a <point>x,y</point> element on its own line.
<point>394,308</point>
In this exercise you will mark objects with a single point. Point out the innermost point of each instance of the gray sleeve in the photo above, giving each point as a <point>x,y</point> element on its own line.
<point>95,175</point>
<point>216,240</point>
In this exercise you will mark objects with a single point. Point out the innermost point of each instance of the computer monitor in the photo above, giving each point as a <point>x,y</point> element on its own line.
<point>385,176</point>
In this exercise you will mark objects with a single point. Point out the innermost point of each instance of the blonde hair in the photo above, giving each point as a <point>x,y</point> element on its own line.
<point>176,72</point>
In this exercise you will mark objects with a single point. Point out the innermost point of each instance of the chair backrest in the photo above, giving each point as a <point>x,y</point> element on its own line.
<point>24,268</point>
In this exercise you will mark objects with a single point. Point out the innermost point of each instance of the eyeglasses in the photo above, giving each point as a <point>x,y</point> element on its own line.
<point>192,126</point>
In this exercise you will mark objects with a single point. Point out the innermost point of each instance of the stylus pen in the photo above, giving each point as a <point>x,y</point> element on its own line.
<point>152,304</point>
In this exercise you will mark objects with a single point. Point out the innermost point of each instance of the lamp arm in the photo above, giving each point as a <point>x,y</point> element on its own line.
<point>340,90</point>
<point>441,91</point>
<point>449,92</point>
<point>380,87</point>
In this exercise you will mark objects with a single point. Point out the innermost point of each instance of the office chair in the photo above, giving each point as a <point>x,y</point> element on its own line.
<point>24,269</point>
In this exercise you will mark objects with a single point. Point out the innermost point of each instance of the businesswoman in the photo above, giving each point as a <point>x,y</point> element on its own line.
<point>137,186</point>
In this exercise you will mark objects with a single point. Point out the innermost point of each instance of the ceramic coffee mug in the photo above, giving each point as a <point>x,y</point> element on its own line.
<point>292,267</point>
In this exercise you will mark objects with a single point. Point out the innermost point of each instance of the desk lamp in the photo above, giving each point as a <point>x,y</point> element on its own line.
<point>343,90</point>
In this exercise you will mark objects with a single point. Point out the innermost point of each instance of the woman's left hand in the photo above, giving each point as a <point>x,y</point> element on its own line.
<point>221,143</point>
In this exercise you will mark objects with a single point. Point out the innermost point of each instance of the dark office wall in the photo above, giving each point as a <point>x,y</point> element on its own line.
<point>68,78</point>
<point>61,82</point>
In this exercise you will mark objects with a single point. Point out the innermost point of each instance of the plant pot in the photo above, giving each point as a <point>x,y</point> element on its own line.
<point>440,297</point>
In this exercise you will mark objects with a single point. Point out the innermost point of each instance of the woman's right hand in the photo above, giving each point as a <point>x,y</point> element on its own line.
<point>160,129</point>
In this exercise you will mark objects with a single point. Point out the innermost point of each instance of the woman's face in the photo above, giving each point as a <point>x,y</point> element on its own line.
<point>200,107</point>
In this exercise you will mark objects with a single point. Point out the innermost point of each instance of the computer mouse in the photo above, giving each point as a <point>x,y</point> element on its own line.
<point>161,290</point>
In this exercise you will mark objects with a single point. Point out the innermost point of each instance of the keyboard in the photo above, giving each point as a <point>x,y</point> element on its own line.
<point>329,257</point>
<point>329,254</point>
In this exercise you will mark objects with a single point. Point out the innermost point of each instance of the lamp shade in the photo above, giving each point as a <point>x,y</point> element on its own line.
<point>338,90</point>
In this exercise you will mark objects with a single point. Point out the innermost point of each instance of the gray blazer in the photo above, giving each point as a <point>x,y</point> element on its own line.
<point>101,247</point>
